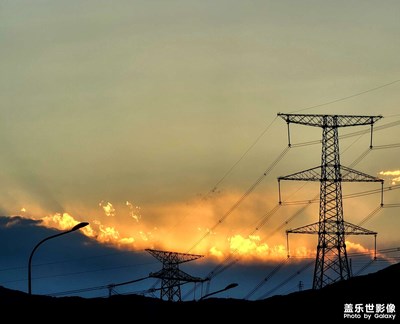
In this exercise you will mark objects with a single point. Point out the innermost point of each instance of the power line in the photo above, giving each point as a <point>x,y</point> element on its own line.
<point>215,187</point>
<point>352,195</point>
<point>243,197</point>
<point>276,161</point>
<point>240,158</point>
<point>75,260</point>
<point>352,134</point>
<point>264,281</point>
<point>348,97</point>
<point>80,272</point>
<point>69,292</point>
<point>307,265</point>
<point>265,219</point>
<point>219,269</point>
<point>284,282</point>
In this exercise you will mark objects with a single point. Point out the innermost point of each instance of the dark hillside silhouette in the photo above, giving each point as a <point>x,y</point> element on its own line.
<point>381,287</point>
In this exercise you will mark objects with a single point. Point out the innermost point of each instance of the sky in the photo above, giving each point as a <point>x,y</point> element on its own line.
<point>157,122</point>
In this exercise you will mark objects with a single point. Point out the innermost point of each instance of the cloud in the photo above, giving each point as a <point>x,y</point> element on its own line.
<point>395,175</point>
<point>79,261</point>
<point>60,221</point>
<point>108,208</point>
<point>134,211</point>
<point>252,247</point>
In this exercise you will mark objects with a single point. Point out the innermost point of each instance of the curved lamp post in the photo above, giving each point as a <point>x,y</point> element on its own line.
<point>230,286</point>
<point>76,227</point>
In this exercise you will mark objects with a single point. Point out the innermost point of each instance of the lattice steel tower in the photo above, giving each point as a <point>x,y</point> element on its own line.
<point>331,260</point>
<point>170,274</point>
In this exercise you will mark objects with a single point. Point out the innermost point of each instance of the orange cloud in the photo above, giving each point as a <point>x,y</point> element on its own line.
<point>134,212</point>
<point>197,226</point>
<point>216,253</point>
<point>108,208</point>
<point>394,174</point>
<point>60,221</point>
<point>390,173</point>
<point>102,233</point>
<point>252,247</point>
<point>356,247</point>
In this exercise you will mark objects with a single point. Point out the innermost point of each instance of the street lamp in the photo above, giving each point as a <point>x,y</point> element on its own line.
<point>76,227</point>
<point>230,286</point>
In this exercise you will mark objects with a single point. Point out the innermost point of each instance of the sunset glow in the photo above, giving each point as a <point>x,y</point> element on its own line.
<point>247,248</point>
<point>198,226</point>
<point>197,127</point>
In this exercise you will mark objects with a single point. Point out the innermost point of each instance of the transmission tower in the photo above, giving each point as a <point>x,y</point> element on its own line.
<point>331,260</point>
<point>170,274</point>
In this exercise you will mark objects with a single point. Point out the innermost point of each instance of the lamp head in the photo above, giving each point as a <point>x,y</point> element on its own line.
<point>78,226</point>
<point>232,285</point>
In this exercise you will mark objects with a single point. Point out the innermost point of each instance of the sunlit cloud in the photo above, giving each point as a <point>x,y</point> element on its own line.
<point>108,234</point>
<point>108,208</point>
<point>216,253</point>
<point>60,221</point>
<point>249,245</point>
<point>195,226</point>
<point>253,247</point>
<point>127,240</point>
<point>395,175</point>
<point>145,236</point>
<point>96,230</point>
<point>356,247</point>
<point>134,211</point>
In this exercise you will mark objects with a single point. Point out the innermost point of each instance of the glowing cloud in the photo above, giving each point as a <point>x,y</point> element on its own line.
<point>134,212</point>
<point>193,222</point>
<point>145,236</point>
<point>107,234</point>
<point>250,245</point>
<point>195,225</point>
<point>127,240</point>
<point>60,221</point>
<point>108,208</point>
<point>215,252</point>
<point>394,174</point>
<point>102,233</point>
<point>253,247</point>
<point>356,247</point>
<point>390,173</point>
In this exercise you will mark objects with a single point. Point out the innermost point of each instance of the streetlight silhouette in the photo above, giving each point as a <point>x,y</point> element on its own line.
<point>73,229</point>
<point>230,286</point>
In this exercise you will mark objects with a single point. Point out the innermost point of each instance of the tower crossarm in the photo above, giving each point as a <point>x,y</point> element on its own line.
<point>307,229</point>
<point>350,175</point>
<point>351,229</point>
<point>315,228</point>
<point>319,120</point>
<point>313,174</point>
<point>177,275</point>
<point>173,257</point>
<point>347,175</point>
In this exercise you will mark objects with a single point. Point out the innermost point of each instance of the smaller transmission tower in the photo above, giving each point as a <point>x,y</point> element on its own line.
<point>170,274</point>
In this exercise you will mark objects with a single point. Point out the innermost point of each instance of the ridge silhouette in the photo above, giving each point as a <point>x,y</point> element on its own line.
<point>381,287</point>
